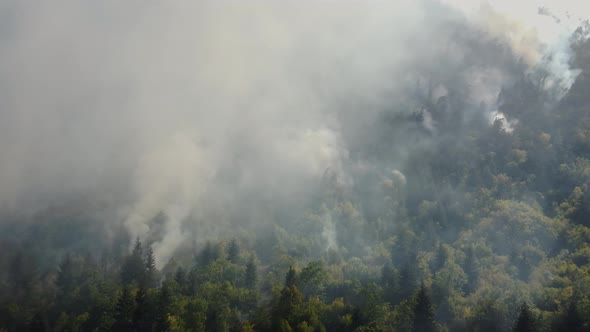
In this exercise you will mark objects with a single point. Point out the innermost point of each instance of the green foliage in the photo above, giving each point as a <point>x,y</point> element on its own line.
<point>251,275</point>
<point>291,277</point>
<point>124,311</point>
<point>233,251</point>
<point>151,273</point>
<point>311,279</point>
<point>133,269</point>
<point>423,312</point>
<point>526,321</point>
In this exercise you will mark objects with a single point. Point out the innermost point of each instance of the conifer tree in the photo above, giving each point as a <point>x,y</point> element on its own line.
<point>233,251</point>
<point>66,277</point>
<point>408,281</point>
<point>251,274</point>
<point>525,321</point>
<point>39,323</point>
<point>290,299</point>
<point>470,269</point>
<point>151,272</point>
<point>206,256</point>
<point>137,248</point>
<point>440,258</point>
<point>141,313</point>
<point>423,313</point>
<point>181,279</point>
<point>133,268</point>
<point>571,319</point>
<point>124,311</point>
<point>165,301</point>
<point>23,275</point>
<point>390,283</point>
<point>291,277</point>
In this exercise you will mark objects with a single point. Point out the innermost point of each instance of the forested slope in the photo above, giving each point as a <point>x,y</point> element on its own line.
<point>445,218</point>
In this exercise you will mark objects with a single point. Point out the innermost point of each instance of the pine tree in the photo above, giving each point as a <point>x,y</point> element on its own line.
<point>522,264</point>
<point>124,311</point>
<point>291,277</point>
<point>151,273</point>
<point>487,317</point>
<point>390,283</point>
<point>251,274</point>
<point>39,323</point>
<point>525,321</point>
<point>289,301</point>
<point>137,248</point>
<point>386,272</point>
<point>439,259</point>
<point>470,269</point>
<point>66,277</point>
<point>246,327</point>
<point>284,326</point>
<point>141,314</point>
<point>150,260</point>
<point>525,267</point>
<point>133,268</point>
<point>423,313</point>
<point>23,276</point>
<point>233,251</point>
<point>206,256</point>
<point>164,309</point>
<point>572,320</point>
<point>408,280</point>
<point>181,279</point>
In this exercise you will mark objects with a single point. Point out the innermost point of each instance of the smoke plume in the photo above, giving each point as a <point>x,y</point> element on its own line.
<point>222,113</point>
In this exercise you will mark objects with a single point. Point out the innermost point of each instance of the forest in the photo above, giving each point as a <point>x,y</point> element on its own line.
<point>450,211</point>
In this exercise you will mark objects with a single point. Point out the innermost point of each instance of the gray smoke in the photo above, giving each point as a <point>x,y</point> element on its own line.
<point>218,112</point>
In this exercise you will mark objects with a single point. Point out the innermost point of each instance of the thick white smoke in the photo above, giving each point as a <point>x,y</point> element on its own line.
<point>211,111</point>
<point>538,31</point>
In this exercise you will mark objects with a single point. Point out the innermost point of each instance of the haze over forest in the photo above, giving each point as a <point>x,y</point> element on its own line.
<point>289,165</point>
